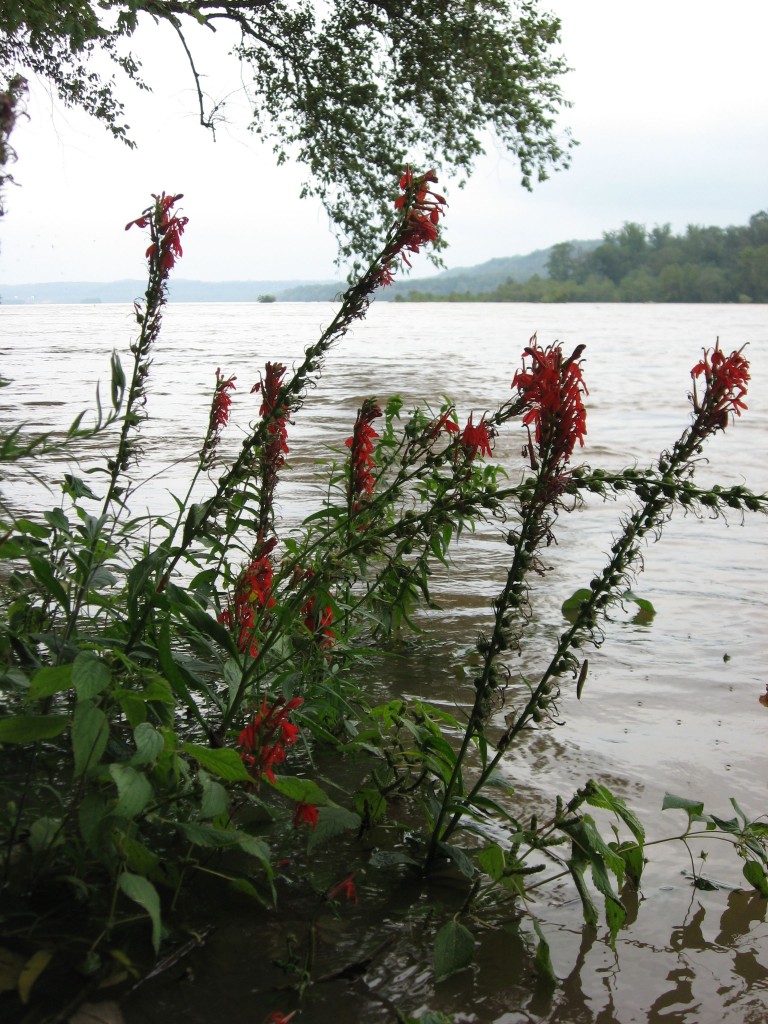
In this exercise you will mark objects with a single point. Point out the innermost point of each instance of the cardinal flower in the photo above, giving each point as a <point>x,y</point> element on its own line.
<point>264,740</point>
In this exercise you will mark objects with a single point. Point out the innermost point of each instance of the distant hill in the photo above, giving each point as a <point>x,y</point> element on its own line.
<point>482,278</point>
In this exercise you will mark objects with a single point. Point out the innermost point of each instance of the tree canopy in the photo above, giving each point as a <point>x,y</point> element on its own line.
<point>351,89</point>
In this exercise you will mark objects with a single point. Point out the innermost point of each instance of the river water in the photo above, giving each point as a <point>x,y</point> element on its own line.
<point>669,706</point>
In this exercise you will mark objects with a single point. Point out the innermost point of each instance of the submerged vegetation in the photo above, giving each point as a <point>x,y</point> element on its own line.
<point>186,697</point>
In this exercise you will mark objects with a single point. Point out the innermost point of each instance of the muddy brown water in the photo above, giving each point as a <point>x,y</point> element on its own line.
<point>670,705</point>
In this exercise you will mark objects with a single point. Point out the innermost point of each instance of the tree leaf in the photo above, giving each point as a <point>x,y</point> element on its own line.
<point>141,891</point>
<point>454,949</point>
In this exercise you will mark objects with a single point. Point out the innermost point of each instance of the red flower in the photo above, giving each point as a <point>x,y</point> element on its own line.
<point>552,389</point>
<point>253,597</point>
<point>220,406</point>
<point>166,229</point>
<point>346,888</point>
<point>263,741</point>
<point>476,439</point>
<point>361,480</point>
<point>421,210</point>
<point>304,814</point>
<point>725,384</point>
<point>280,1018</point>
<point>445,422</point>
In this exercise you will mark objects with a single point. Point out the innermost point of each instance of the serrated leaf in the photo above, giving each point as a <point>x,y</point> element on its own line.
<point>149,744</point>
<point>600,796</point>
<point>681,803</point>
<point>28,728</point>
<point>49,680</point>
<point>133,788</point>
<point>143,892</point>
<point>90,675</point>
<point>90,732</point>
<point>215,798</point>
<point>223,761</point>
<point>454,949</point>
<point>331,822</point>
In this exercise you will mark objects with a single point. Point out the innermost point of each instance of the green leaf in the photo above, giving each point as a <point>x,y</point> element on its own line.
<point>681,803</point>
<point>77,488</point>
<point>133,788</point>
<point>756,876</point>
<point>141,891</point>
<point>49,680</point>
<point>224,762</point>
<point>215,798</point>
<point>46,578</point>
<point>45,832</point>
<point>572,605</point>
<point>600,796</point>
<point>90,675</point>
<point>459,858</point>
<point>300,790</point>
<point>491,860</point>
<point>28,728</point>
<point>210,627</point>
<point>90,732</point>
<point>542,960</point>
<point>454,949</point>
<point>331,822</point>
<point>149,744</point>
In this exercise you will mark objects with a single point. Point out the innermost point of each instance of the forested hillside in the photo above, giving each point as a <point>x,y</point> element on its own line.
<point>705,264</point>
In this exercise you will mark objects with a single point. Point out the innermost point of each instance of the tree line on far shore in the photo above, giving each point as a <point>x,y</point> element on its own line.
<point>633,264</point>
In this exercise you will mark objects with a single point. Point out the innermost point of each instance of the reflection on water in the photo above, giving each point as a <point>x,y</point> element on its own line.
<point>671,705</point>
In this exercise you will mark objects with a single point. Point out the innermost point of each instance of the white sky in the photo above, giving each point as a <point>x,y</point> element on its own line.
<point>670,107</point>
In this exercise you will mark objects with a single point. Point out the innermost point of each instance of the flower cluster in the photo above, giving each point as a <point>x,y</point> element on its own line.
<point>262,743</point>
<point>725,384</point>
<point>253,596</point>
<point>361,480</point>
<point>220,407</point>
<point>319,622</point>
<point>421,209</point>
<point>552,389</point>
<point>166,229</point>
<point>304,814</point>
<point>476,439</point>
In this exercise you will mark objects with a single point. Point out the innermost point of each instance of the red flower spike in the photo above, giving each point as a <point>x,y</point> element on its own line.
<point>361,479</point>
<point>220,407</point>
<point>725,386</point>
<point>263,741</point>
<point>552,389</point>
<point>166,229</point>
<point>421,209</point>
<point>305,814</point>
<point>253,597</point>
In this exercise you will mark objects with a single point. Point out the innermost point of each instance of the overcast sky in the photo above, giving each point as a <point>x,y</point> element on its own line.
<point>670,109</point>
